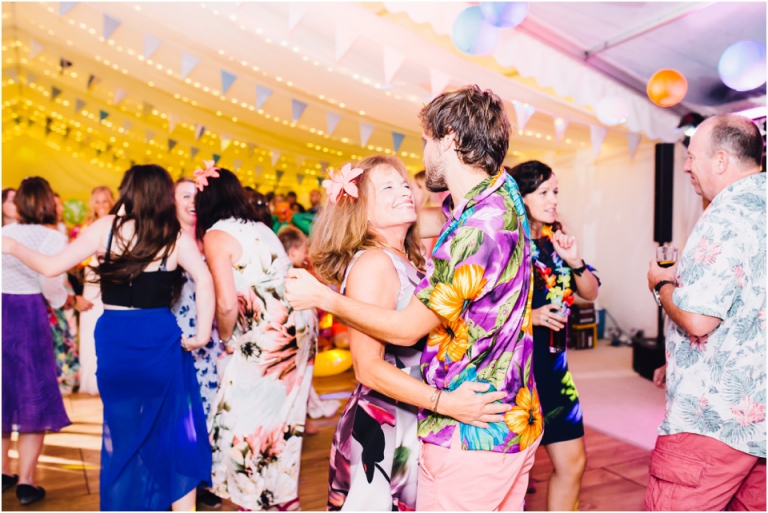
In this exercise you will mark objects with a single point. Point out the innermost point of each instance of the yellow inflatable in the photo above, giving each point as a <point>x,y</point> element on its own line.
<point>334,361</point>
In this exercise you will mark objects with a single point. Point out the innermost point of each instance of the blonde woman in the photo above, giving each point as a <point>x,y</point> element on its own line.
<point>101,203</point>
<point>366,240</point>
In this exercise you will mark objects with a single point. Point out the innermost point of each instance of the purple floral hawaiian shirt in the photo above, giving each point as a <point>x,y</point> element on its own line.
<point>479,282</point>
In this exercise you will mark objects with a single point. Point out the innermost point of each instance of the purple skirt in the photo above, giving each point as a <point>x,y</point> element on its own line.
<point>31,398</point>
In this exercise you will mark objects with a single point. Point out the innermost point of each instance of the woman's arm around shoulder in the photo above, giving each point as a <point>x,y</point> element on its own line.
<point>86,245</point>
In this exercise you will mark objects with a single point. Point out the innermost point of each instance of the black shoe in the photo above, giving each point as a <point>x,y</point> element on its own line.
<point>27,494</point>
<point>9,481</point>
<point>208,499</point>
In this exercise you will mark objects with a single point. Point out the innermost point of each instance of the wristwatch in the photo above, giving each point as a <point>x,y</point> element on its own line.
<point>657,288</point>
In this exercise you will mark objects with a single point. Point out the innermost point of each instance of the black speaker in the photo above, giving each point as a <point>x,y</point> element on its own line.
<point>662,205</point>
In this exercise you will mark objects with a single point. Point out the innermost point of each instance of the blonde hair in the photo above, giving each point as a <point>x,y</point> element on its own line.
<point>342,228</point>
<point>102,189</point>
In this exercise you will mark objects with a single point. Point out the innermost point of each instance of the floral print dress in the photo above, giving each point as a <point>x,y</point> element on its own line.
<point>257,418</point>
<point>205,358</point>
<point>374,456</point>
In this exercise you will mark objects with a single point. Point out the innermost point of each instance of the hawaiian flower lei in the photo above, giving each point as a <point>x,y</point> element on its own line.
<point>557,282</point>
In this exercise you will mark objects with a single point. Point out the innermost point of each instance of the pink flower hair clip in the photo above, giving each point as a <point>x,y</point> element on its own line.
<point>341,182</point>
<point>202,175</point>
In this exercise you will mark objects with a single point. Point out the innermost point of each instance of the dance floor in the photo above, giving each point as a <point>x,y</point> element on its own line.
<point>615,479</point>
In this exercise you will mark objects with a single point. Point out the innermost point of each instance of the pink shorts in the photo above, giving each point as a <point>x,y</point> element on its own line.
<point>699,473</point>
<point>454,479</point>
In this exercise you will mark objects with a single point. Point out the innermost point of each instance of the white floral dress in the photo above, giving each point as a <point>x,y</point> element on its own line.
<point>257,418</point>
<point>205,358</point>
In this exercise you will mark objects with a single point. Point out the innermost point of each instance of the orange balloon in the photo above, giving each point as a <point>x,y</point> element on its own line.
<point>667,87</point>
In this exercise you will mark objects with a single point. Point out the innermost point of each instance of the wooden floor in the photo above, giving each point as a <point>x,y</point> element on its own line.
<point>615,479</point>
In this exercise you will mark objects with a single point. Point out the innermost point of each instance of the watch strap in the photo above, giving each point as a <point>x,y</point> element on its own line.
<point>579,270</point>
<point>658,286</point>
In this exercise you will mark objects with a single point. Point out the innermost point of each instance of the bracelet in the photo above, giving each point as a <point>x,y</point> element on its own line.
<point>230,341</point>
<point>578,271</point>
<point>439,394</point>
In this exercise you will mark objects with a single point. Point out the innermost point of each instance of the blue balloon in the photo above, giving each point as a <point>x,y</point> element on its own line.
<point>742,65</point>
<point>472,35</point>
<point>504,14</point>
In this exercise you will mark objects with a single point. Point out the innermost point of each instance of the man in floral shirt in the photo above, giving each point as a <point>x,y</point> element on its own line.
<point>710,454</point>
<point>475,304</point>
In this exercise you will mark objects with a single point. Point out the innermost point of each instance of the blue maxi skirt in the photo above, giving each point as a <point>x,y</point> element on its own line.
<point>155,446</point>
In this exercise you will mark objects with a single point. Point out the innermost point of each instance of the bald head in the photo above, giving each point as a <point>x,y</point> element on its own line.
<point>736,135</point>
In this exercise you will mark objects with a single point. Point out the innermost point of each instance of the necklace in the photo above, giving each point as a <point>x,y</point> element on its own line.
<point>557,281</point>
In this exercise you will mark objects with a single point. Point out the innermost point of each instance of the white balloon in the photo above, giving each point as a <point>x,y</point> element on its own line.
<point>612,110</point>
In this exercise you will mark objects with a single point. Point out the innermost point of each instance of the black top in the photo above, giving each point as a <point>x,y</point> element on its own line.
<point>149,290</point>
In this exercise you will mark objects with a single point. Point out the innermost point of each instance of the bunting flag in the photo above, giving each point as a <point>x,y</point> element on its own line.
<point>193,151</point>
<point>79,104</point>
<point>173,120</point>
<point>319,182</point>
<point>344,40</point>
<point>171,144</point>
<point>324,166</point>
<point>262,95</point>
<point>397,140</point>
<point>65,7</point>
<point>392,62</point>
<point>34,49</point>
<point>146,109</point>
<point>127,126</point>
<point>365,133</point>
<point>300,160</point>
<point>275,156</point>
<point>216,158</point>
<point>110,25</point>
<point>299,178</point>
<point>597,136</point>
<point>64,64</point>
<point>31,78</point>
<point>92,81</point>
<point>114,157</point>
<point>251,147</point>
<point>524,112</point>
<point>67,130</point>
<point>226,140</point>
<point>297,109</point>
<point>259,170</point>
<point>634,141</point>
<point>296,12</point>
<point>120,95</point>
<point>237,164</point>
<point>560,126</point>
<point>199,131</point>
<point>188,63</point>
<point>332,120</point>
<point>55,92</point>
<point>279,174</point>
<point>149,135</point>
<point>48,121</point>
<point>227,79</point>
<point>103,114</point>
<point>438,81</point>
<point>150,45</point>
<point>13,74</point>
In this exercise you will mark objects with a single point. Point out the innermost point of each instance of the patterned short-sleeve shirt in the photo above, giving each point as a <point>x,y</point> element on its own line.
<point>716,384</point>
<point>479,282</point>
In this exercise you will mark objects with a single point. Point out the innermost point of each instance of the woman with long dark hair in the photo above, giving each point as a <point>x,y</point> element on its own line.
<point>257,419</point>
<point>559,272</point>
<point>155,447</point>
<point>32,403</point>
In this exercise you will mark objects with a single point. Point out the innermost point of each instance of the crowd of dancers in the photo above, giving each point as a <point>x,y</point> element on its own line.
<point>204,330</point>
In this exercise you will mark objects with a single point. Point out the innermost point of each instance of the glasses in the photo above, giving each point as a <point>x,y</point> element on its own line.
<point>666,256</point>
